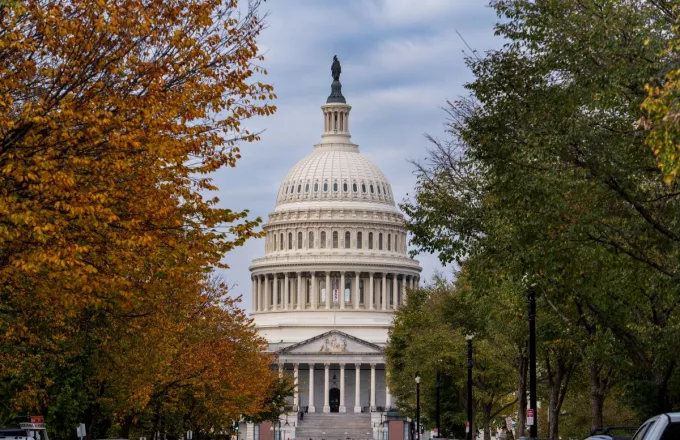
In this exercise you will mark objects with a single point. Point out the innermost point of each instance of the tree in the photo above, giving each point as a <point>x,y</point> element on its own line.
<point>547,176</point>
<point>114,114</point>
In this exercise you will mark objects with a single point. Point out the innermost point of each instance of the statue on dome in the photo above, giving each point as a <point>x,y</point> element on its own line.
<point>336,70</point>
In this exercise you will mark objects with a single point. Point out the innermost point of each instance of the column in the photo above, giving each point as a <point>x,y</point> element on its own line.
<point>326,401</point>
<point>296,397</point>
<point>356,290</point>
<point>286,291</point>
<point>395,292</point>
<point>371,294</point>
<point>260,288</point>
<point>255,292</point>
<point>280,371</point>
<point>372,387</point>
<point>267,293</point>
<point>300,300</point>
<point>342,408</point>
<point>342,291</point>
<point>388,397</point>
<point>329,291</point>
<point>275,298</point>
<point>384,291</point>
<point>357,389</point>
<point>311,408</point>
<point>314,293</point>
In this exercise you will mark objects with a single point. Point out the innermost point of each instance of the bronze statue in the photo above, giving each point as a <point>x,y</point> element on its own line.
<point>335,68</point>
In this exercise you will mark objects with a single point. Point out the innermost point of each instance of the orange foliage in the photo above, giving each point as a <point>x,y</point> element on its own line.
<point>112,115</point>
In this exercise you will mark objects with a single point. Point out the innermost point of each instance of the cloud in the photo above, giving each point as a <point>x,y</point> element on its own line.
<point>401,61</point>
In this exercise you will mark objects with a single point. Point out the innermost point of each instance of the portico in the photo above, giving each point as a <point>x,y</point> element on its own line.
<point>336,372</point>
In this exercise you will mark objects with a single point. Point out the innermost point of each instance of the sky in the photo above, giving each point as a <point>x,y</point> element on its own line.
<point>401,61</point>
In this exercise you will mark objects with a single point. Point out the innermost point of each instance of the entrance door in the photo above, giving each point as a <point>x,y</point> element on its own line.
<point>334,399</point>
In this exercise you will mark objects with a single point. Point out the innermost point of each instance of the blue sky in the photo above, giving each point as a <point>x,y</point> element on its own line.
<point>401,60</point>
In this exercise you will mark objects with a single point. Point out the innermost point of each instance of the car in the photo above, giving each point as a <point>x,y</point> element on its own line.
<point>661,427</point>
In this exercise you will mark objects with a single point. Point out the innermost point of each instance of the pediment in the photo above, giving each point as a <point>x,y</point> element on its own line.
<point>332,342</point>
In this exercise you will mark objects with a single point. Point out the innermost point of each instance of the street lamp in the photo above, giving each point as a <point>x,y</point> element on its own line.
<point>531,302</point>
<point>468,434</point>
<point>418,405</point>
<point>438,397</point>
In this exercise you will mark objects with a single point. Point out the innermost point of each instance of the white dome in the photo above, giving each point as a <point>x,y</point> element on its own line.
<point>335,173</point>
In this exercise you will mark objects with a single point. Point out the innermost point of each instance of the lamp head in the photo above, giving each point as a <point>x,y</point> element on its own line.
<point>469,337</point>
<point>417,379</point>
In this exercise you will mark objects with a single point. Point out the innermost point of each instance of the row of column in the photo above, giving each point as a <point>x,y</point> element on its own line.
<point>265,291</point>
<point>326,391</point>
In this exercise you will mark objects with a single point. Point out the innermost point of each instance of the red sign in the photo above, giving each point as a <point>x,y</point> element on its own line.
<point>467,426</point>
<point>530,412</point>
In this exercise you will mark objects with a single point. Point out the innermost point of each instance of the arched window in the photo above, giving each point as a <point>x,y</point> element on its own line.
<point>389,242</point>
<point>274,241</point>
<point>354,187</point>
<point>292,189</point>
<point>380,241</point>
<point>384,190</point>
<point>310,243</point>
<point>396,242</point>
<point>325,187</point>
<point>299,240</point>
<point>344,186</point>
<point>378,189</point>
<point>290,240</point>
<point>299,188</point>
<point>316,187</point>
<point>370,240</point>
<point>335,186</point>
<point>335,239</point>
<point>286,190</point>
<point>359,244</point>
<point>307,187</point>
<point>281,241</point>
<point>348,239</point>
<point>363,187</point>
<point>372,189</point>
<point>322,241</point>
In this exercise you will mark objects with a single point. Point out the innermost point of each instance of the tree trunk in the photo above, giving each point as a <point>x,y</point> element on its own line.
<point>522,395</point>
<point>559,376</point>
<point>487,422</point>
<point>598,393</point>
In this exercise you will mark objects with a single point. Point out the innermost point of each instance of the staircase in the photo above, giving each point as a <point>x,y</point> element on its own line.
<point>335,426</point>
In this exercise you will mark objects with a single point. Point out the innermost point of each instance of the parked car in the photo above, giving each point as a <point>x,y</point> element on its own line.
<point>613,433</point>
<point>662,427</point>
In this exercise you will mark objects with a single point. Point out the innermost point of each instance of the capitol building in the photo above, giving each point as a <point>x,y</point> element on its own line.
<point>334,270</point>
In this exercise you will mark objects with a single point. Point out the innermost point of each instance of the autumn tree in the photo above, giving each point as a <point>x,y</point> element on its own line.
<point>113,116</point>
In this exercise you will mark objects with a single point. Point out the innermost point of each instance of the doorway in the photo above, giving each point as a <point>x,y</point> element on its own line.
<point>334,399</point>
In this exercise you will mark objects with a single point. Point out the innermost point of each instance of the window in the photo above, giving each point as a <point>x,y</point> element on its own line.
<point>384,190</point>
<point>348,290</point>
<point>274,241</point>
<point>299,188</point>
<point>363,187</point>
<point>325,187</point>
<point>322,292</point>
<point>370,240</point>
<point>310,243</point>
<point>359,244</point>
<point>286,190</point>
<point>389,242</point>
<point>671,432</point>
<point>378,189</point>
<point>372,189</point>
<point>354,187</point>
<point>281,241</point>
<point>299,240</point>
<point>307,187</point>
<point>380,241</point>
<point>335,186</point>
<point>335,239</point>
<point>290,240</point>
<point>316,187</point>
<point>396,242</point>
<point>344,186</point>
<point>348,240</point>
<point>292,189</point>
<point>361,291</point>
<point>308,300</point>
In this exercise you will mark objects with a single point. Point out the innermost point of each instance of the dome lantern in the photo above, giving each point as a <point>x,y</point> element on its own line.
<point>336,111</point>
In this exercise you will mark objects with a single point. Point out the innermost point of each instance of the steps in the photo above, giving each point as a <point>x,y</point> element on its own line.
<point>335,426</point>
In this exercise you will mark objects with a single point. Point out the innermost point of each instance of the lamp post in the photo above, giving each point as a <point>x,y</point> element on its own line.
<point>531,302</point>
<point>418,406</point>
<point>437,415</point>
<point>468,434</point>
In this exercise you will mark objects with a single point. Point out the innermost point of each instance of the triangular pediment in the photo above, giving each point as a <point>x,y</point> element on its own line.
<point>332,342</point>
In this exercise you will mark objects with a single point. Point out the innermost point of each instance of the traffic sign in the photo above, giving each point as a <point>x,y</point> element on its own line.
<point>467,426</point>
<point>530,417</point>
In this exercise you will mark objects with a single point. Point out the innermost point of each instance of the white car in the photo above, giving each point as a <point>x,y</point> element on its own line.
<point>662,427</point>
